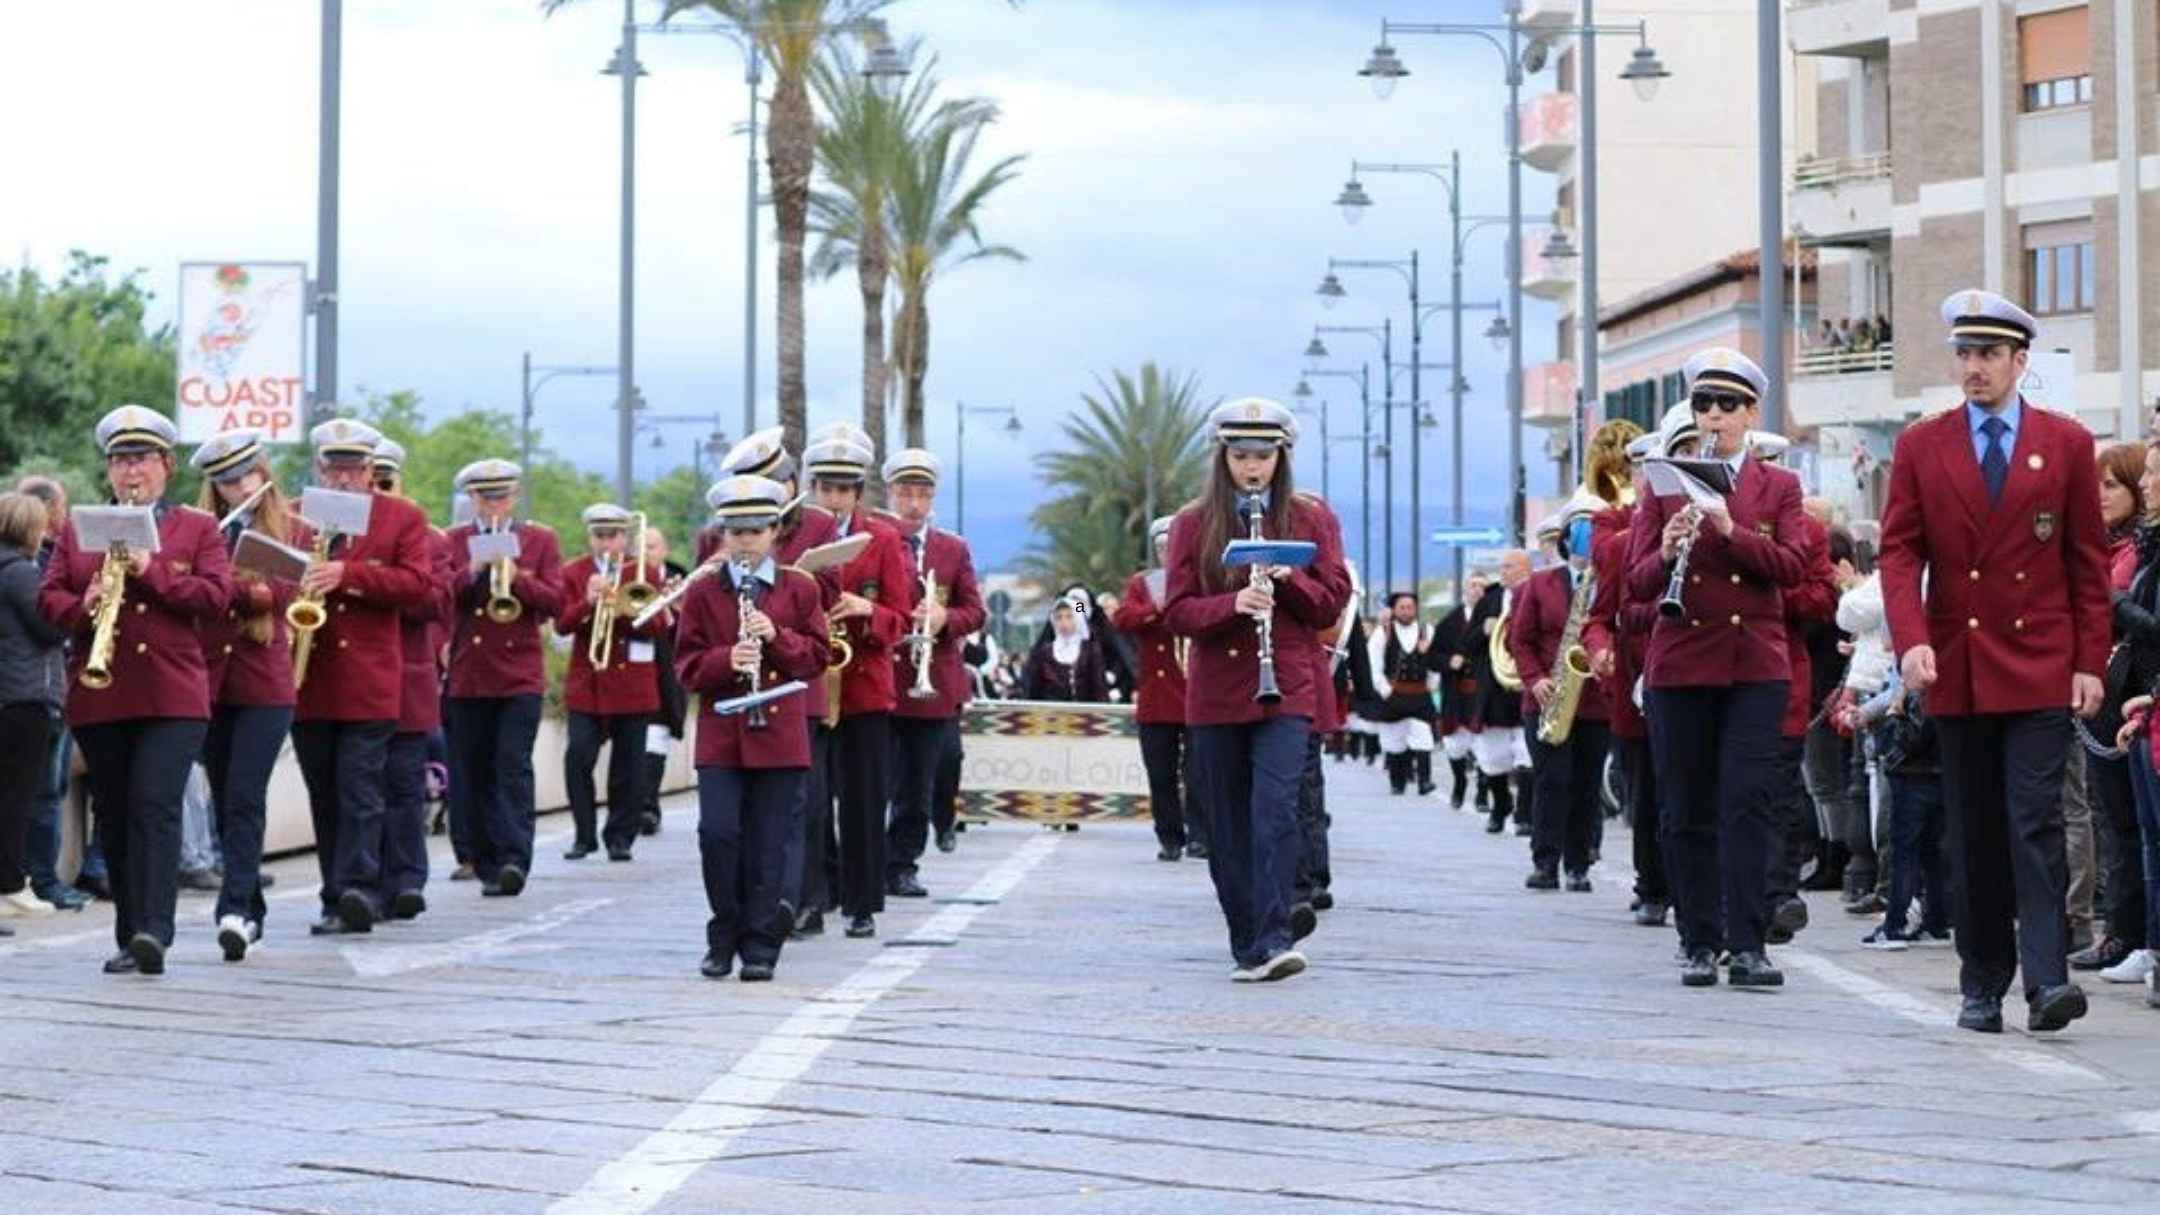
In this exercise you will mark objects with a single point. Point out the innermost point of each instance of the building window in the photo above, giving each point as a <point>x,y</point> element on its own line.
<point>2059,278</point>
<point>2055,94</point>
<point>1638,403</point>
<point>2055,58</point>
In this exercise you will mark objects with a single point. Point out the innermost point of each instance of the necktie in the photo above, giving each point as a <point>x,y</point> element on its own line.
<point>1995,464</point>
<point>914,545</point>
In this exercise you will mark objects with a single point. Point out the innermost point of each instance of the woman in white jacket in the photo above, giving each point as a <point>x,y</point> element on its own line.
<point>1860,615</point>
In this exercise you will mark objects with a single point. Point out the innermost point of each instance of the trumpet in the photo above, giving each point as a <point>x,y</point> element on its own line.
<point>305,613</point>
<point>1268,692</point>
<point>1673,606</point>
<point>745,604</point>
<point>600,647</point>
<point>921,642</point>
<point>503,607</point>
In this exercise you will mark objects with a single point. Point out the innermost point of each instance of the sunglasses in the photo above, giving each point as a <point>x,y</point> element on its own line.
<point>1723,402</point>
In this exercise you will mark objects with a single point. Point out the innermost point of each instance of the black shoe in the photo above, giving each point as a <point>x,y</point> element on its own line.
<point>120,964</point>
<point>757,972</point>
<point>509,881</point>
<point>1699,970</point>
<point>408,905</point>
<point>1650,915</point>
<point>1494,826</point>
<point>266,880</point>
<point>861,926</point>
<point>904,886</point>
<point>6,931</point>
<point>2108,951</point>
<point>649,824</point>
<point>715,966</point>
<point>1196,850</point>
<point>1981,1014</point>
<point>1790,916</point>
<point>808,924</point>
<point>209,880</point>
<point>1323,899</point>
<point>2050,1009</point>
<point>947,840</point>
<point>149,955</point>
<point>1523,829</point>
<point>618,854</point>
<point>1753,969</point>
<point>64,898</point>
<point>464,873</point>
<point>1303,919</point>
<point>580,850</point>
<point>1578,882</point>
<point>1169,852</point>
<point>97,886</point>
<point>1542,878</point>
<point>357,911</point>
<point>328,926</point>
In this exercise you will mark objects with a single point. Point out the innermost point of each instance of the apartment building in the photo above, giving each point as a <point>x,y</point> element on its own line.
<point>1676,177</point>
<point>1975,142</point>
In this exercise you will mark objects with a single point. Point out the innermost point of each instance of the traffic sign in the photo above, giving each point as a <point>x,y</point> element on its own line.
<point>1467,537</point>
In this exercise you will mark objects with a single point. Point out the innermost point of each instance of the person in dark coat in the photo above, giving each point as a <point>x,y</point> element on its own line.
<point>1067,661</point>
<point>1495,710</point>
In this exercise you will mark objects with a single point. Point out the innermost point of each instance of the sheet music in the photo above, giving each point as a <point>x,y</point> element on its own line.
<point>743,704</point>
<point>261,555</point>
<point>1703,482</point>
<point>1158,585</point>
<point>1293,553</point>
<point>839,552</point>
<point>337,510</point>
<point>99,528</point>
<point>488,547</point>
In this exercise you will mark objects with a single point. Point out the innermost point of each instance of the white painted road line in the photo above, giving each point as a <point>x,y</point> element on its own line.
<point>1920,1012</point>
<point>665,1160</point>
<point>374,963</point>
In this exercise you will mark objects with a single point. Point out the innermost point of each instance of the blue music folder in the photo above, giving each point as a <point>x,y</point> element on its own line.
<point>743,704</point>
<point>1296,554</point>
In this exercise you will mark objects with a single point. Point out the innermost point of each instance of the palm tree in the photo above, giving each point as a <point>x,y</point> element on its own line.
<point>1133,449</point>
<point>788,34</point>
<point>935,205</point>
<point>862,149</point>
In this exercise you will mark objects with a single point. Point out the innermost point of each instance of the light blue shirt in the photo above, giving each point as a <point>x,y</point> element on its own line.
<point>766,574</point>
<point>2012,415</point>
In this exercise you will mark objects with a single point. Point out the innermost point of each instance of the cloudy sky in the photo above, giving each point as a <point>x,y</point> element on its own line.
<point>1175,206</point>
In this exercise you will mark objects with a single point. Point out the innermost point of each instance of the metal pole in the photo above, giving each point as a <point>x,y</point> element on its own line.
<point>960,447</point>
<point>525,414</point>
<point>1387,444</point>
<point>750,217</point>
<point>1365,469</point>
<point>1587,391</point>
<point>1770,188</point>
<point>1455,375</point>
<point>326,212</point>
<point>1417,432</point>
<point>1324,460</point>
<point>1515,322</point>
<point>626,378</point>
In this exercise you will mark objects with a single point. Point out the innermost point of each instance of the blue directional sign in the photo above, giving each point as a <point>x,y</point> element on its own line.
<point>1468,537</point>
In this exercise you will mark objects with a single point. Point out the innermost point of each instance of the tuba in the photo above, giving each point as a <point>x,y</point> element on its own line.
<point>1496,653</point>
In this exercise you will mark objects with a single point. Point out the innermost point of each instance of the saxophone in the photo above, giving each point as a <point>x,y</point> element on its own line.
<point>305,614</point>
<point>105,619</point>
<point>1557,718</point>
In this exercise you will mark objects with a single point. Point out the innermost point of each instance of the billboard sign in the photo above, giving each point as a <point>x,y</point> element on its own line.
<point>242,349</point>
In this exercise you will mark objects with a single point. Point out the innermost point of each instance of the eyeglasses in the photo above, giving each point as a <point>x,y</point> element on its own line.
<point>1707,401</point>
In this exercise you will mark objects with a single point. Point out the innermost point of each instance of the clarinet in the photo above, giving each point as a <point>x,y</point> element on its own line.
<point>744,605</point>
<point>1673,606</point>
<point>1268,692</point>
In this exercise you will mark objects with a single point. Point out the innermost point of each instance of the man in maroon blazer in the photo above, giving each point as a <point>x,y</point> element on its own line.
<point>497,674</point>
<point>1995,503</point>
<point>354,690</point>
<point>924,727</point>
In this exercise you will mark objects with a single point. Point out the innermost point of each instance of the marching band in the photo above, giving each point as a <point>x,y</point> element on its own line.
<point>1667,635</point>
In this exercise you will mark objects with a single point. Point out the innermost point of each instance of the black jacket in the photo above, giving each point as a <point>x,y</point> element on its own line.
<point>1492,704</point>
<point>32,670</point>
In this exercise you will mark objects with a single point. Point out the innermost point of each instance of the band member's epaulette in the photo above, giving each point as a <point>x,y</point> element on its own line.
<point>196,510</point>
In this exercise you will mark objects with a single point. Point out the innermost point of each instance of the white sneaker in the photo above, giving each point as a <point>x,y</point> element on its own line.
<point>2136,968</point>
<point>234,936</point>
<point>24,904</point>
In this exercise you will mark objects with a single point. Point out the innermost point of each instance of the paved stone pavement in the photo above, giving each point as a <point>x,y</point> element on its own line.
<point>1053,1033</point>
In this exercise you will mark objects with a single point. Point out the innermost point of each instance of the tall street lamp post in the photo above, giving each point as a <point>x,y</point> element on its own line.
<point>960,417</point>
<point>324,298</point>
<point>533,378</point>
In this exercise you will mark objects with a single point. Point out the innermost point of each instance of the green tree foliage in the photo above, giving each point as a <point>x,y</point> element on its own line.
<point>556,492</point>
<point>676,505</point>
<point>1134,444</point>
<point>71,349</point>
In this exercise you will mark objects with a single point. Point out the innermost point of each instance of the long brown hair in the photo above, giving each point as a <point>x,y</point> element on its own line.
<point>1221,522</point>
<point>273,514</point>
<point>2126,463</point>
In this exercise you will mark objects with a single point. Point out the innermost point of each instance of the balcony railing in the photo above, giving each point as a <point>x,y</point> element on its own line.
<point>1830,172</point>
<point>1831,361</point>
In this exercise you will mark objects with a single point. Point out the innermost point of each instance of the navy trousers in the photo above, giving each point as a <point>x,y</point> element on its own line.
<point>809,883</point>
<point>138,773</point>
<point>2002,777</point>
<point>864,760</point>
<point>342,763</point>
<point>405,825</point>
<point>1649,849</point>
<point>1251,773</point>
<point>918,751</point>
<point>624,733</point>
<point>239,752</point>
<point>1566,813</point>
<point>1162,753</point>
<point>1313,874</point>
<point>492,772</point>
<point>1712,747</point>
<point>743,821</point>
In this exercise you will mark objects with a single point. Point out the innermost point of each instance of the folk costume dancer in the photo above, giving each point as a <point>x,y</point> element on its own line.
<point>1996,502</point>
<point>498,673</point>
<point>142,728</point>
<point>1457,686</point>
<point>1400,654</point>
<point>926,728</point>
<point>1495,721</point>
<point>1249,752</point>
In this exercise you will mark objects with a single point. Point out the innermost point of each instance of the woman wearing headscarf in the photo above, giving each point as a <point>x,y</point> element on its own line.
<point>1067,662</point>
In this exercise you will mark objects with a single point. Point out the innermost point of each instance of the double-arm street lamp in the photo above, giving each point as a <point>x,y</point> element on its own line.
<point>960,417</point>
<point>1384,69</point>
<point>714,444</point>
<point>1363,376</point>
<point>533,378</point>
